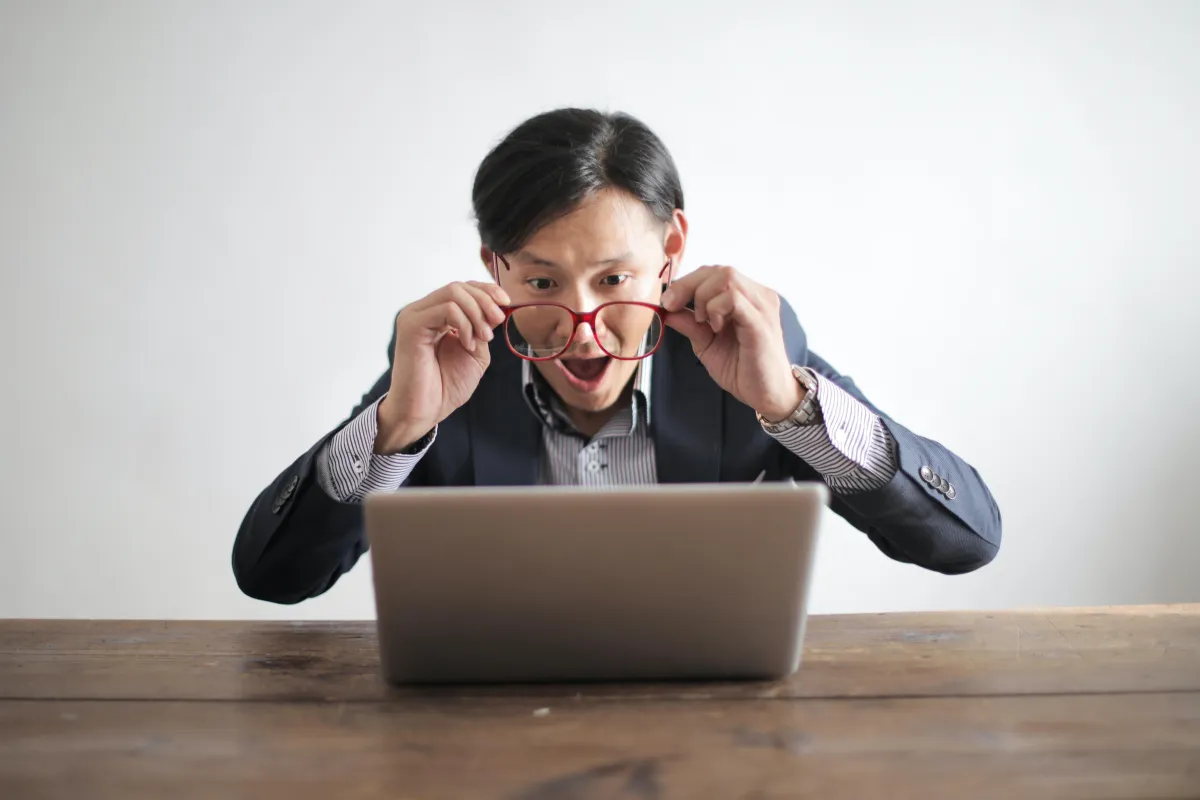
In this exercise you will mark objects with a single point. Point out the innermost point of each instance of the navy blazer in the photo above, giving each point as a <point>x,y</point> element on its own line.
<point>296,541</point>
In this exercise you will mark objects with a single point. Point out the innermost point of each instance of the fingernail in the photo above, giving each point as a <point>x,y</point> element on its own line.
<point>667,298</point>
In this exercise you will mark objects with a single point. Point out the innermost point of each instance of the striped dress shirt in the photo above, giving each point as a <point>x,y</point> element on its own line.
<point>847,444</point>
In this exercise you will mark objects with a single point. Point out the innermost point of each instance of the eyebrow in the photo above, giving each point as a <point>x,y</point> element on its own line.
<point>538,261</point>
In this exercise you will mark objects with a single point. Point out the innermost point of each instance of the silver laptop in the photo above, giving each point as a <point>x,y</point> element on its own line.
<point>659,582</point>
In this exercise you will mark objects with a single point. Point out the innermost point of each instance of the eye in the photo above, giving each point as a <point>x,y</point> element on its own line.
<point>614,280</point>
<point>540,284</point>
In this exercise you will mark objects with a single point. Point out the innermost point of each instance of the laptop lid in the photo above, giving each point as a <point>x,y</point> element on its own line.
<point>668,581</point>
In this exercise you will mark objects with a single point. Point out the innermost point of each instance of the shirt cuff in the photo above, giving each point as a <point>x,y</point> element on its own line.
<point>850,447</point>
<point>348,467</point>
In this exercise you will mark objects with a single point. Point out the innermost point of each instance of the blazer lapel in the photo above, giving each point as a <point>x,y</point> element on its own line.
<point>688,423</point>
<point>505,435</point>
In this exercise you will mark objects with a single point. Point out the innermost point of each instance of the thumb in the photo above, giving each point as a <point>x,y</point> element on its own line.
<point>700,334</point>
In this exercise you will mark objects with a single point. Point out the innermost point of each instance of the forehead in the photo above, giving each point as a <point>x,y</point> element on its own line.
<point>606,225</point>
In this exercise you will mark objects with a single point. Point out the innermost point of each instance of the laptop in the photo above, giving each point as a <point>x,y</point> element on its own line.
<point>561,583</point>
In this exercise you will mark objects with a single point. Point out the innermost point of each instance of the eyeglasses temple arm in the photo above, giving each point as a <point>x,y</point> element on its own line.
<point>496,268</point>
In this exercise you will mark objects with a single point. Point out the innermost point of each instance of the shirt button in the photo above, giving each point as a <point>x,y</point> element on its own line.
<point>840,435</point>
<point>593,466</point>
<point>358,466</point>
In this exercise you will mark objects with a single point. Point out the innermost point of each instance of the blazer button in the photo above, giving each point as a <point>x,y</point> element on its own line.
<point>283,496</point>
<point>950,493</point>
<point>927,474</point>
<point>943,484</point>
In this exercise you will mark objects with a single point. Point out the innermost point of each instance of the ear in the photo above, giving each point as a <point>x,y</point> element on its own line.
<point>486,256</point>
<point>675,242</point>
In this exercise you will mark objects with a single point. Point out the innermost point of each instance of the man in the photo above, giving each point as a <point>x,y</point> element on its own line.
<point>588,360</point>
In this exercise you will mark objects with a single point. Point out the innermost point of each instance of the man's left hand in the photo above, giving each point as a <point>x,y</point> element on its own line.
<point>736,334</point>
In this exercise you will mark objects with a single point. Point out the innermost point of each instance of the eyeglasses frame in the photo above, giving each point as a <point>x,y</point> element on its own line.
<point>581,317</point>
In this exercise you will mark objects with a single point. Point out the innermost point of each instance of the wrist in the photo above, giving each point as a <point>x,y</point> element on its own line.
<point>776,411</point>
<point>396,435</point>
<point>783,402</point>
<point>800,409</point>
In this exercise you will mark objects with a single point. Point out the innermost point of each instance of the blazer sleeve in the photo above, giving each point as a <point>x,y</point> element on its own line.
<point>935,512</point>
<point>296,540</point>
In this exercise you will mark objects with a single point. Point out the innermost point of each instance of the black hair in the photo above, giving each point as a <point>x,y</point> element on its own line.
<point>550,163</point>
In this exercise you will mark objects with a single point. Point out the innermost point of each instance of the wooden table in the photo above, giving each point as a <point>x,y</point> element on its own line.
<point>1065,703</point>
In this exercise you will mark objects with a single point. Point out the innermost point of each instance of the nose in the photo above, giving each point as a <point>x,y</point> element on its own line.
<point>585,337</point>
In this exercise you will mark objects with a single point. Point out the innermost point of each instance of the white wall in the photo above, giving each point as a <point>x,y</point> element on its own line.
<point>987,214</point>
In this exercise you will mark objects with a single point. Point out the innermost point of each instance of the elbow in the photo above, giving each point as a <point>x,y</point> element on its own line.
<point>950,549</point>
<point>968,558</point>
<point>979,546</point>
<point>264,584</point>
<point>961,546</point>
<point>284,576</point>
<point>967,549</point>
<point>259,584</point>
<point>261,573</point>
<point>276,579</point>
<point>295,540</point>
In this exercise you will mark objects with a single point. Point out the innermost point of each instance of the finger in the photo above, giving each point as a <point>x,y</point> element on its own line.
<point>449,290</point>
<point>498,295</point>
<point>699,334</point>
<point>449,315</point>
<point>470,304</point>
<point>482,355</point>
<point>718,282</point>
<point>719,309</point>
<point>680,293</point>
<point>460,324</point>
<point>488,303</point>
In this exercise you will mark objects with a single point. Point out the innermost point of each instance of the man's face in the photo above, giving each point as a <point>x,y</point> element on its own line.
<point>610,248</point>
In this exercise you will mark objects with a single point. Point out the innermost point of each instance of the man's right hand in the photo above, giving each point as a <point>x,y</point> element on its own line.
<point>441,353</point>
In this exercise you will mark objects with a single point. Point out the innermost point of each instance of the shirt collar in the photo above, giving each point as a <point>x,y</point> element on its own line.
<point>546,406</point>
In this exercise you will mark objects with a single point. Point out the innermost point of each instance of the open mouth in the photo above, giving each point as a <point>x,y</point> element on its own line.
<point>585,374</point>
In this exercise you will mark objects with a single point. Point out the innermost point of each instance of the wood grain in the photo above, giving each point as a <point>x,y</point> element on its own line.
<point>1144,745</point>
<point>1140,649</point>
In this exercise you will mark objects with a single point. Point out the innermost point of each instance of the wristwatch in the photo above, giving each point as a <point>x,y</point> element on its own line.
<point>807,413</point>
<point>419,444</point>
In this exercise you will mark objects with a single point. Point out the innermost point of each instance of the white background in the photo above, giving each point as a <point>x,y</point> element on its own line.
<point>987,214</point>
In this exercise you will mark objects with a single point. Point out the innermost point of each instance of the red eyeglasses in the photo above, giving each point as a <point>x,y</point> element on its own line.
<point>623,329</point>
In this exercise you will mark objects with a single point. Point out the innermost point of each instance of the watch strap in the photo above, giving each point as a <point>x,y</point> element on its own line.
<point>809,410</point>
